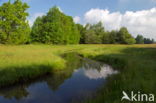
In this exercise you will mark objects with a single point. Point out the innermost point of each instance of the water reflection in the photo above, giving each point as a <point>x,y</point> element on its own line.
<point>104,72</point>
<point>77,82</point>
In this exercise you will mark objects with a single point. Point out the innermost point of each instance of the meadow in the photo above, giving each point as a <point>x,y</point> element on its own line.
<point>136,63</point>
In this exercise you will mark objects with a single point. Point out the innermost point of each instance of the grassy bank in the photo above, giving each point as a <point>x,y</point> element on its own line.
<point>21,63</point>
<point>136,64</point>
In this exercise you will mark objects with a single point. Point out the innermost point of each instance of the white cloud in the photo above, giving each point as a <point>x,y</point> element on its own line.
<point>105,71</point>
<point>77,19</point>
<point>139,22</point>
<point>32,18</point>
<point>60,9</point>
<point>108,19</point>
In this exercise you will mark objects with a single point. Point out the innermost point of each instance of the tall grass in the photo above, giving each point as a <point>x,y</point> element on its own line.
<point>20,63</point>
<point>136,63</point>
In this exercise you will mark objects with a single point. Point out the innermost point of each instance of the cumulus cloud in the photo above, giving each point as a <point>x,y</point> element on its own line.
<point>105,71</point>
<point>32,18</point>
<point>108,19</point>
<point>77,19</point>
<point>139,22</point>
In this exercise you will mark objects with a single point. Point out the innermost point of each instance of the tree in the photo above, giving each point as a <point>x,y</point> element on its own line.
<point>148,41</point>
<point>55,28</point>
<point>124,37</point>
<point>91,37</point>
<point>153,41</point>
<point>139,39</point>
<point>113,37</point>
<point>130,41</point>
<point>14,27</point>
<point>82,31</point>
<point>106,38</point>
<point>94,33</point>
<point>36,33</point>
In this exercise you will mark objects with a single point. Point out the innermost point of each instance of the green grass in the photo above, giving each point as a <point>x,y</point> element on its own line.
<point>136,63</point>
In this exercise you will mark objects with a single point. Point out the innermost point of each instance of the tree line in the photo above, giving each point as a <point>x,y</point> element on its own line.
<point>141,40</point>
<point>96,34</point>
<point>56,28</point>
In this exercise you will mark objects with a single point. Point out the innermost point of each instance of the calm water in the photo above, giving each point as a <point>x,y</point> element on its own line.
<point>79,81</point>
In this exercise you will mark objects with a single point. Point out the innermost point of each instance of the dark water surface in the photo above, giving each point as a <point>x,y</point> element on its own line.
<point>78,81</point>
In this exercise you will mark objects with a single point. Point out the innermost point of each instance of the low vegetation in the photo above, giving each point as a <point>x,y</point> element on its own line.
<point>137,71</point>
<point>20,63</point>
<point>23,62</point>
<point>135,62</point>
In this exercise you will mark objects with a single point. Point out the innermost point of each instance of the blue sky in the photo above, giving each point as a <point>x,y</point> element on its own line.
<point>71,7</point>
<point>139,16</point>
<point>79,7</point>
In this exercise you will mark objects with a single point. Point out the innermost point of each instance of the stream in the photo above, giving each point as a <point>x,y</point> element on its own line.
<point>79,81</point>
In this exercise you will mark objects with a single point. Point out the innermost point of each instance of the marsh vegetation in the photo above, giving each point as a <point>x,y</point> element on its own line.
<point>34,67</point>
<point>136,64</point>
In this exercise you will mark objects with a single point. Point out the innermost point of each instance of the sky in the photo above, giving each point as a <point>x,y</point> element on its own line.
<point>139,16</point>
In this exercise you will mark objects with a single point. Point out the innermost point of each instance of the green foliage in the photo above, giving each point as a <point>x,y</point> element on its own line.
<point>14,28</point>
<point>139,39</point>
<point>94,33</point>
<point>148,41</point>
<point>92,38</point>
<point>113,37</point>
<point>106,38</point>
<point>124,37</point>
<point>36,33</point>
<point>55,28</point>
<point>82,30</point>
<point>130,41</point>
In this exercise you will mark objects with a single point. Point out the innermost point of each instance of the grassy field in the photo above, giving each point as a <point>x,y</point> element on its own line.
<point>137,65</point>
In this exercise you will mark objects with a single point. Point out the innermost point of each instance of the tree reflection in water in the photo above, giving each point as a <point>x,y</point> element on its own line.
<point>78,80</point>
